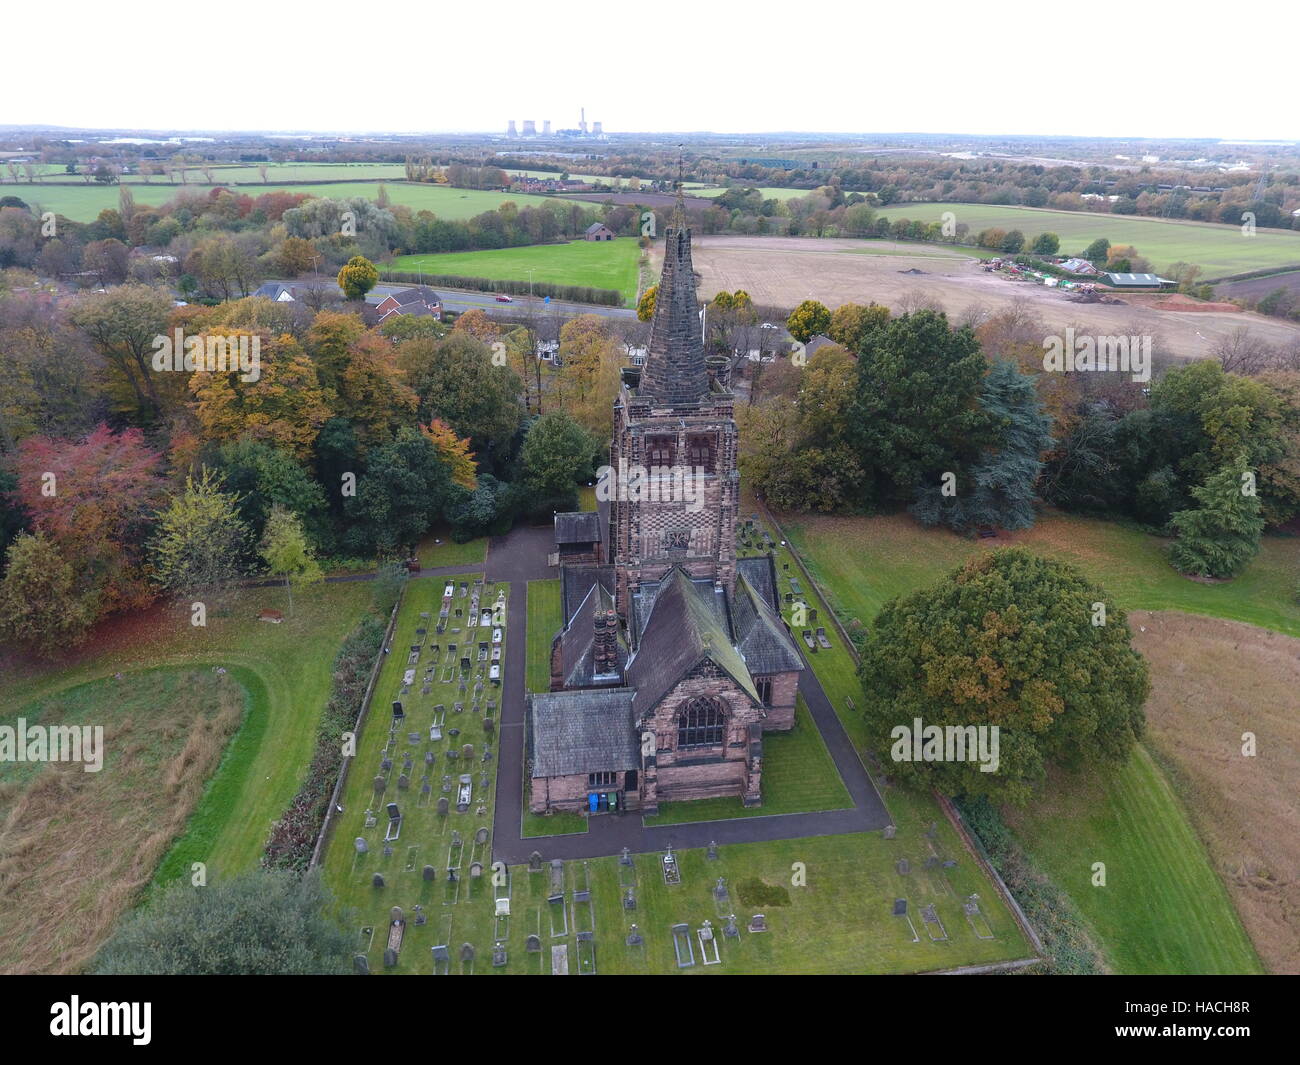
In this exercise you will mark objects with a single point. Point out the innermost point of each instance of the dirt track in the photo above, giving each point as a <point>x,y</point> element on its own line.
<point>785,270</point>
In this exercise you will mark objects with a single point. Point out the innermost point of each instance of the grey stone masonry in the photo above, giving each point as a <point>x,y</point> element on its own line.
<point>675,374</point>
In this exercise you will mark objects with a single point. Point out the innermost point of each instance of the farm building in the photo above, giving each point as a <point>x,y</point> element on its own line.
<point>598,231</point>
<point>1137,280</point>
<point>1079,266</point>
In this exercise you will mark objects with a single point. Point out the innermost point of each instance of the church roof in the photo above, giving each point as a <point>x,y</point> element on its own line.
<point>761,636</point>
<point>577,527</point>
<point>583,732</point>
<point>684,628</point>
<point>578,641</point>
<point>674,372</point>
<point>577,581</point>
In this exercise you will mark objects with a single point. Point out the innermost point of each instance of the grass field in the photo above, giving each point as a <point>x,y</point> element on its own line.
<point>608,264</point>
<point>545,617</point>
<point>799,776</point>
<point>1217,249</point>
<point>864,562</point>
<point>219,809</point>
<point>1162,909</point>
<point>83,203</point>
<point>767,193</point>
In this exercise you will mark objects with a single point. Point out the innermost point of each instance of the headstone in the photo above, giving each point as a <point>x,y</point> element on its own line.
<point>467,952</point>
<point>900,907</point>
<point>634,937</point>
<point>403,782</point>
<point>451,876</point>
<point>443,805</point>
<point>380,784</point>
<point>535,861</point>
<point>440,953</point>
<point>420,916</point>
<point>386,764</point>
<point>499,955</point>
<point>388,850</point>
<point>360,965</point>
<point>712,852</point>
<point>361,845</point>
<point>377,880</point>
<point>904,867</point>
<point>481,836</point>
<point>629,899</point>
<point>890,832</point>
<point>729,929</point>
<point>720,890</point>
<point>626,859</point>
<point>533,944</point>
<point>467,752</point>
<point>488,726</point>
<point>430,874</point>
<point>758,923</point>
<point>475,870</point>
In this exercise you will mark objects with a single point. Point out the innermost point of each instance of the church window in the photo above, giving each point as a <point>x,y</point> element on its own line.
<point>659,450</point>
<point>764,686</point>
<point>596,781</point>
<point>700,452</point>
<point>700,723</point>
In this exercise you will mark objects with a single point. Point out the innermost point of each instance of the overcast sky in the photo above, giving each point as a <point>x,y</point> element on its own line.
<point>1134,70</point>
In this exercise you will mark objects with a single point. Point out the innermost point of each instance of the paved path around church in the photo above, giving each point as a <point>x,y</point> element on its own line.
<point>520,557</point>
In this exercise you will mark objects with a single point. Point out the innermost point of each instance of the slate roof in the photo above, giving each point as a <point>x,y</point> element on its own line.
<point>675,373</point>
<point>1142,280</point>
<point>583,732</point>
<point>577,527</point>
<point>576,582</point>
<point>761,636</point>
<point>760,571</point>
<point>596,227</point>
<point>419,294</point>
<point>578,639</point>
<point>685,627</point>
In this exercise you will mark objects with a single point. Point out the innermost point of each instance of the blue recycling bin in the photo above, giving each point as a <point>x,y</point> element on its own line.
<point>593,802</point>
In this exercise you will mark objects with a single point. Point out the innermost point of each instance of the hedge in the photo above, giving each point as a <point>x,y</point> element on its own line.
<point>570,293</point>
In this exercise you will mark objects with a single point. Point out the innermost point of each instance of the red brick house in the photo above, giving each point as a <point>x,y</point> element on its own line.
<point>598,231</point>
<point>673,659</point>
<point>420,301</point>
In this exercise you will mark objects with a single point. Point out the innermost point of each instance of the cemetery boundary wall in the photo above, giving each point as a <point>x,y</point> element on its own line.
<point>337,793</point>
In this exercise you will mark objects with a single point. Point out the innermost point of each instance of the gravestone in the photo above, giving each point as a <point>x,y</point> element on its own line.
<point>440,953</point>
<point>481,836</point>
<point>900,907</point>
<point>430,874</point>
<point>380,784</point>
<point>360,965</point>
<point>629,899</point>
<point>386,764</point>
<point>467,752</point>
<point>634,937</point>
<point>475,870</point>
<point>451,876</point>
<point>904,867</point>
<point>425,787</point>
<point>403,783</point>
<point>720,890</point>
<point>443,806</point>
<point>377,880</point>
<point>951,863</point>
<point>455,838</point>
<point>533,944</point>
<point>890,832</point>
<point>429,758</point>
<point>499,955</point>
<point>758,923</point>
<point>535,861</point>
<point>390,958</point>
<point>626,859</point>
<point>712,852</point>
<point>729,929</point>
<point>467,952</point>
<point>420,916</point>
<point>361,845</point>
<point>388,850</point>
<point>489,726</point>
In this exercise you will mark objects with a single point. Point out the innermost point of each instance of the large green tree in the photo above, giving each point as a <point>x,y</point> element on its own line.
<point>807,320</point>
<point>915,413</point>
<point>200,542</point>
<point>41,605</point>
<point>1218,537</point>
<point>406,485</point>
<point>1011,640</point>
<point>260,923</point>
<point>557,452</point>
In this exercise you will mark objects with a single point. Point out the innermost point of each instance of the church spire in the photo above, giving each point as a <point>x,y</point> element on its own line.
<point>679,211</point>
<point>675,372</point>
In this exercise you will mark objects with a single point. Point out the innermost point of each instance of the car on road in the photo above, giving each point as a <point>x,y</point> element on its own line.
<point>503,298</point>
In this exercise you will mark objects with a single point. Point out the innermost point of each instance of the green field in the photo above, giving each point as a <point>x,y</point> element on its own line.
<point>767,193</point>
<point>1161,909</point>
<point>610,264</point>
<point>82,203</point>
<point>544,620</point>
<point>1132,815</point>
<point>1217,249</point>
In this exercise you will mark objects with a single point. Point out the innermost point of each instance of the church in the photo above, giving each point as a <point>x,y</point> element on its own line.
<point>673,659</point>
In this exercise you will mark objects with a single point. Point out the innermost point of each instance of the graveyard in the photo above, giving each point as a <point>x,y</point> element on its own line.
<point>412,860</point>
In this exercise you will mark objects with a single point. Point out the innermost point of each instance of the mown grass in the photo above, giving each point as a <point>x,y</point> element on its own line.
<point>1161,909</point>
<point>610,264</point>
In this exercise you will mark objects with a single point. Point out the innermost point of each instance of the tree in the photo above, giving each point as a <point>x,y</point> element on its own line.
<point>1000,488</point>
<point>588,378</point>
<point>557,452</point>
<point>1013,242</point>
<point>915,413</point>
<point>852,322</point>
<point>807,320</point>
<point>1097,251</point>
<point>263,923</point>
<point>41,605</point>
<point>455,452</point>
<point>260,475</point>
<point>1046,244</point>
<point>1008,640</point>
<point>405,487</point>
<point>645,306</point>
<point>122,324</point>
<point>201,541</point>
<point>286,552</point>
<point>1220,536</point>
<point>357,277</point>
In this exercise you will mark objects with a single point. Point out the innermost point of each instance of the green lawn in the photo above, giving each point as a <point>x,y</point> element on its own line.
<point>82,203</point>
<point>1162,909</point>
<point>1218,249</point>
<point>866,561</point>
<point>610,264</point>
<point>799,776</point>
<point>768,193</point>
<point>545,616</point>
<point>439,549</point>
<point>1133,814</point>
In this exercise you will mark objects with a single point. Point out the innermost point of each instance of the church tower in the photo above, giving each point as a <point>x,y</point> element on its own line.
<point>675,418</point>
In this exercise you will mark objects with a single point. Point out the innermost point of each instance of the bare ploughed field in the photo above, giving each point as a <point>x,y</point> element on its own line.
<point>1211,681</point>
<point>782,271</point>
